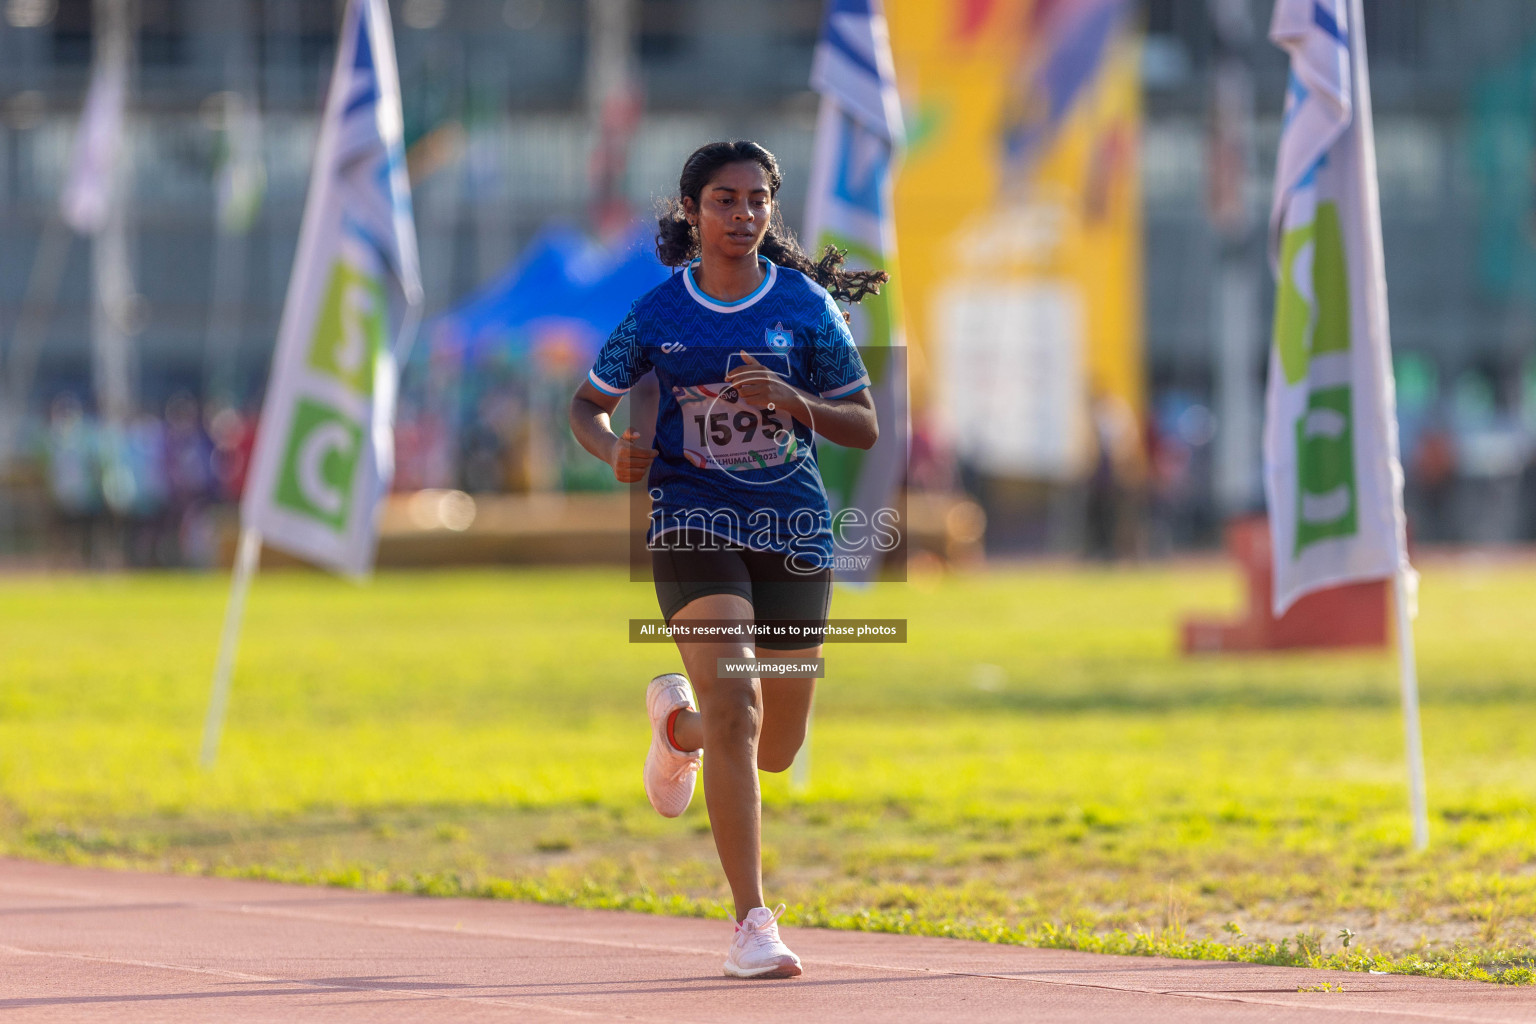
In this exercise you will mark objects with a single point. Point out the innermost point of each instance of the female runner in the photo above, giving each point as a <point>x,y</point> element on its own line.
<point>752,355</point>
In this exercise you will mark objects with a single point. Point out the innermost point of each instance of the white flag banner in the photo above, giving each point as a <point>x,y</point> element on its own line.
<point>324,451</point>
<point>849,205</point>
<point>1331,469</point>
<point>89,188</point>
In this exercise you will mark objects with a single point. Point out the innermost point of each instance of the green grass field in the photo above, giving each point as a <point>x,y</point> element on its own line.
<point>1036,765</point>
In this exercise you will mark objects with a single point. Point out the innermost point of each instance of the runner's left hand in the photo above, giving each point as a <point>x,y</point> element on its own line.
<point>759,386</point>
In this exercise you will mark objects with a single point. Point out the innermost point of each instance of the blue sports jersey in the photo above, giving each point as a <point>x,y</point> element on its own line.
<point>746,474</point>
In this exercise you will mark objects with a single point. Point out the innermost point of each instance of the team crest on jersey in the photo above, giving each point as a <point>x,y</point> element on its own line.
<point>778,336</point>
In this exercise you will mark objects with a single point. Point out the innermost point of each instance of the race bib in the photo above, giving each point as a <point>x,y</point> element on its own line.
<point>721,432</point>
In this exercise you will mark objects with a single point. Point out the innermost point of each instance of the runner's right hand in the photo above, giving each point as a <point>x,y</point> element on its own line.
<point>630,462</point>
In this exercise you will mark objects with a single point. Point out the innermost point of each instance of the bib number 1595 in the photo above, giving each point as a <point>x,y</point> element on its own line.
<point>720,432</point>
<point>720,429</point>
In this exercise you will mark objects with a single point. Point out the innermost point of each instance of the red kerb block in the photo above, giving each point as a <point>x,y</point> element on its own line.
<point>1354,615</point>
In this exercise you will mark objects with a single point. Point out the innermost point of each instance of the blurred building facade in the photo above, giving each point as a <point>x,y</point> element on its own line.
<point>501,112</point>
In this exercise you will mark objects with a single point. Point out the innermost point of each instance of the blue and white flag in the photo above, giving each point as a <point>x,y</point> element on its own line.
<point>324,452</point>
<point>849,205</point>
<point>91,185</point>
<point>1331,468</point>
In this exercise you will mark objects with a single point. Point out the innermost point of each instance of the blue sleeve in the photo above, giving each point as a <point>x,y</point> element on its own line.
<point>621,361</point>
<point>836,369</point>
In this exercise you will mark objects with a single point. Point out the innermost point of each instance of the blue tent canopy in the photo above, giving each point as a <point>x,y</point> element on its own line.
<point>565,293</point>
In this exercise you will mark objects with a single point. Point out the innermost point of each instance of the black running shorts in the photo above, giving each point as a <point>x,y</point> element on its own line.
<point>689,563</point>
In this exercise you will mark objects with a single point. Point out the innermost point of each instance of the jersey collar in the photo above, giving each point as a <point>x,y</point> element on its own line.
<point>770,274</point>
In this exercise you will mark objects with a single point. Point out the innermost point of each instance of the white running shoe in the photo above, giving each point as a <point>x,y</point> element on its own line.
<point>669,773</point>
<point>757,951</point>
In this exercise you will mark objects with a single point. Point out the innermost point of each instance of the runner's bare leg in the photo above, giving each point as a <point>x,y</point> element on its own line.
<point>786,710</point>
<point>728,727</point>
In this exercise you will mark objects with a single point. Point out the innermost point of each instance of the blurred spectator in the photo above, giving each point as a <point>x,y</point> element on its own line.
<point>233,437</point>
<point>1491,448</point>
<point>1114,486</point>
<point>482,459</point>
<point>188,452</point>
<point>1431,483</point>
<point>142,509</point>
<point>494,448</point>
<point>422,450</point>
<point>189,470</point>
<point>930,465</point>
<point>73,485</point>
<point>1168,468</point>
<point>1528,493</point>
<point>1180,469</point>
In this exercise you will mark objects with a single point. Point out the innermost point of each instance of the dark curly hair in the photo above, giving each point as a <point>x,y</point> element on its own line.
<point>677,242</point>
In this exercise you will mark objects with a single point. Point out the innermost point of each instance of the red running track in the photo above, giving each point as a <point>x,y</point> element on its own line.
<point>89,945</point>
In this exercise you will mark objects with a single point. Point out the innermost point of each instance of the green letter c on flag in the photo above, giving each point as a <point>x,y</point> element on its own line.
<point>320,464</point>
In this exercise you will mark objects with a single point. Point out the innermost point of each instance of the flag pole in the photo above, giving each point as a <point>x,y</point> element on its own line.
<point>1403,582</point>
<point>1409,672</point>
<point>247,556</point>
<point>815,219</point>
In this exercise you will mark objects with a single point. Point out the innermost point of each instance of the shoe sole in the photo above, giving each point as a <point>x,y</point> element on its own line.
<point>665,814</point>
<point>652,691</point>
<point>765,973</point>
